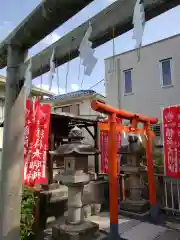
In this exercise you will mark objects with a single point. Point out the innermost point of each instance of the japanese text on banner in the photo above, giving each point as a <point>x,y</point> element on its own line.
<point>171,141</point>
<point>104,136</point>
<point>178,139</point>
<point>36,165</point>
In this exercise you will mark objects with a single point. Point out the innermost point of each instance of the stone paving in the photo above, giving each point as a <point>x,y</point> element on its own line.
<point>136,230</point>
<point>130,229</point>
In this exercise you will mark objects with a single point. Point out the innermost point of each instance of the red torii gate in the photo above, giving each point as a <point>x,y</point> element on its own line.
<point>113,127</point>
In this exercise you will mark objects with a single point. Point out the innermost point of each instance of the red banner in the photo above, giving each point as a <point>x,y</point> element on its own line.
<point>35,160</point>
<point>171,129</point>
<point>178,139</point>
<point>104,150</point>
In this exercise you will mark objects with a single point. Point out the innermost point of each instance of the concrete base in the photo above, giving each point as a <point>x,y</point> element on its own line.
<point>110,238</point>
<point>86,230</point>
<point>139,207</point>
<point>155,214</point>
<point>138,216</point>
<point>114,232</point>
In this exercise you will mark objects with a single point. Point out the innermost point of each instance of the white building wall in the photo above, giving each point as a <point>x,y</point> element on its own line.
<point>86,110</point>
<point>148,96</point>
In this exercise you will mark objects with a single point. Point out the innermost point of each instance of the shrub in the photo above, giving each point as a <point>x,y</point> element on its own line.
<point>29,199</point>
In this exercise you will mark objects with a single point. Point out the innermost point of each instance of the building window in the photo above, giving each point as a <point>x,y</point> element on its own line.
<point>128,81</point>
<point>75,109</point>
<point>156,129</point>
<point>166,72</point>
<point>66,109</point>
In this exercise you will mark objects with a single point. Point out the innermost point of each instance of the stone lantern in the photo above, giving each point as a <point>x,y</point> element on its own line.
<point>75,176</point>
<point>134,203</point>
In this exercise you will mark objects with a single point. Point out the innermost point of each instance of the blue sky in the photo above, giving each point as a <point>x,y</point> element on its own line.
<point>13,12</point>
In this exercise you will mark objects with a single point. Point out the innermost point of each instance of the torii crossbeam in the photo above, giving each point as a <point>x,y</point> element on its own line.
<point>117,16</point>
<point>113,127</point>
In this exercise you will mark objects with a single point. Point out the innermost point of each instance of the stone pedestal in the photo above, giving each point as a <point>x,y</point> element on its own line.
<point>137,207</point>
<point>75,205</point>
<point>84,231</point>
<point>134,203</point>
<point>74,226</point>
<point>75,177</point>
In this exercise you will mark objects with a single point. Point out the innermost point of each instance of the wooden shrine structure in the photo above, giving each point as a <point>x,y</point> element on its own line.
<point>60,125</point>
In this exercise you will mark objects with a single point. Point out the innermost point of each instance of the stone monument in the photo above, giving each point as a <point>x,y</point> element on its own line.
<point>134,203</point>
<point>75,177</point>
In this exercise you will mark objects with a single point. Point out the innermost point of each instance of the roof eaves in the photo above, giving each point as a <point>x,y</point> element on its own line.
<point>73,95</point>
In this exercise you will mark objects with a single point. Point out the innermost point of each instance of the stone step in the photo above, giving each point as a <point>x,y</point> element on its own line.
<point>131,229</point>
<point>143,231</point>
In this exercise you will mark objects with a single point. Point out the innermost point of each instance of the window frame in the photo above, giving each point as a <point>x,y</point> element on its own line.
<point>67,106</point>
<point>128,93</point>
<point>161,73</point>
<point>78,109</point>
<point>157,129</point>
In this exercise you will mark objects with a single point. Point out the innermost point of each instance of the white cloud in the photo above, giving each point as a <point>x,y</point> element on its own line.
<point>51,38</point>
<point>54,88</point>
<point>74,87</point>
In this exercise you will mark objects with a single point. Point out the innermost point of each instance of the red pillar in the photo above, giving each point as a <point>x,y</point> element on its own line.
<point>150,166</point>
<point>113,177</point>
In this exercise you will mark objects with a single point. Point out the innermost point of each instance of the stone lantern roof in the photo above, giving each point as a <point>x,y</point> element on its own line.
<point>75,145</point>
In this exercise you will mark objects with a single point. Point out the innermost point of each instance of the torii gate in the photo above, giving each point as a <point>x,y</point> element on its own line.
<point>113,127</point>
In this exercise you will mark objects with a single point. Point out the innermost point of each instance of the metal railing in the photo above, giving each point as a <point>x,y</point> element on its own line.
<point>167,191</point>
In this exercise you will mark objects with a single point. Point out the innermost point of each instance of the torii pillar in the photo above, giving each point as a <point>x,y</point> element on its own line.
<point>13,148</point>
<point>113,128</point>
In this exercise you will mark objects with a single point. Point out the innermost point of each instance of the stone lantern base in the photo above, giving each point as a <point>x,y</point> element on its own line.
<point>134,204</point>
<point>137,207</point>
<point>86,230</point>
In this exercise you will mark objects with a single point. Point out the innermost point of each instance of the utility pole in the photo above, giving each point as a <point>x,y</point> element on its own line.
<point>13,149</point>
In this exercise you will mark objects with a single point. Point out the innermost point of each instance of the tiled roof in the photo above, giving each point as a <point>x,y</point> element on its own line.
<point>74,94</point>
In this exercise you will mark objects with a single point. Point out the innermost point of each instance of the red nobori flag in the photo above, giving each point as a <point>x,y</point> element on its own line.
<point>178,139</point>
<point>171,141</point>
<point>104,146</point>
<point>104,151</point>
<point>36,166</point>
